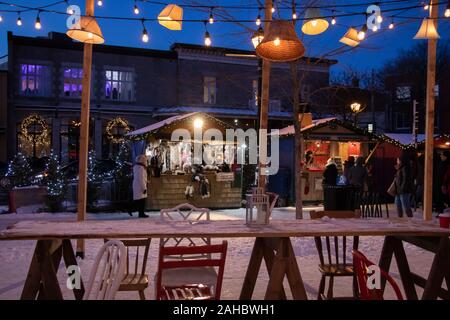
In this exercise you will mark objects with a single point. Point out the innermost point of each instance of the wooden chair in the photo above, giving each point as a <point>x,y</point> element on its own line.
<point>273,198</point>
<point>337,264</point>
<point>107,272</point>
<point>179,276</point>
<point>188,290</point>
<point>136,278</point>
<point>361,265</point>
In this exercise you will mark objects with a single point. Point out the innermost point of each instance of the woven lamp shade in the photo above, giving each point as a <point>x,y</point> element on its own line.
<point>427,30</point>
<point>280,43</point>
<point>86,30</point>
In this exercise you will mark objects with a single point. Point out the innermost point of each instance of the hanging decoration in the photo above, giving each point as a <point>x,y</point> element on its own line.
<point>113,125</point>
<point>171,17</point>
<point>314,22</point>
<point>29,121</point>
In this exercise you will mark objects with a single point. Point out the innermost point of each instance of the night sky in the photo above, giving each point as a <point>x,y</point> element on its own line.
<point>372,53</point>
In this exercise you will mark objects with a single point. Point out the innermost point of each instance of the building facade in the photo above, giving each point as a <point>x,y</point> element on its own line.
<point>132,88</point>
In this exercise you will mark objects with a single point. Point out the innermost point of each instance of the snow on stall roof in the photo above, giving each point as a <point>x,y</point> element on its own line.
<point>405,138</point>
<point>219,111</point>
<point>289,130</point>
<point>160,124</point>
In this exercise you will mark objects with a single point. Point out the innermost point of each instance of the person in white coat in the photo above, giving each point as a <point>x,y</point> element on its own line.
<point>139,186</point>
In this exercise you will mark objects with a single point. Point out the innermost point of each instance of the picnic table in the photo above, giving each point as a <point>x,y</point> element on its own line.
<point>272,243</point>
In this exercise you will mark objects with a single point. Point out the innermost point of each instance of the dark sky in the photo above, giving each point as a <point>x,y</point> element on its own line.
<point>372,53</point>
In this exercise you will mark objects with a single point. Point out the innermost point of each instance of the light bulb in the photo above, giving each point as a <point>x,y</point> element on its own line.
<point>211,19</point>
<point>379,19</point>
<point>207,39</point>
<point>375,28</point>
<point>90,35</point>
<point>276,42</point>
<point>144,35</point>
<point>37,24</point>
<point>272,10</point>
<point>19,21</point>
<point>314,23</point>
<point>70,11</point>
<point>258,20</point>
<point>99,3</point>
<point>294,16</point>
<point>361,35</point>
<point>333,21</point>
<point>136,9</point>
<point>447,13</point>
<point>426,7</point>
<point>1,19</point>
<point>391,25</point>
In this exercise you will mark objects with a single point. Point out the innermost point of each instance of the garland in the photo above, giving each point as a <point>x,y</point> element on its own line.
<point>42,138</point>
<point>117,122</point>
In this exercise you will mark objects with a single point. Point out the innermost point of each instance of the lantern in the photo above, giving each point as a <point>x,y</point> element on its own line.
<point>350,38</point>
<point>257,209</point>
<point>427,30</point>
<point>314,22</point>
<point>280,42</point>
<point>171,17</point>
<point>257,37</point>
<point>86,30</point>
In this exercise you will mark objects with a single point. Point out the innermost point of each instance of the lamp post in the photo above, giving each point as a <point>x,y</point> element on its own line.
<point>356,108</point>
<point>257,37</point>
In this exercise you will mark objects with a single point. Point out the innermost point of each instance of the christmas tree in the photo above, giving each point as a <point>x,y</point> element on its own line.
<point>56,182</point>
<point>123,174</point>
<point>19,171</point>
<point>94,178</point>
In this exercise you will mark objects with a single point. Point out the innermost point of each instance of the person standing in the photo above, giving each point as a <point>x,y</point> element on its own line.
<point>330,173</point>
<point>404,186</point>
<point>139,186</point>
<point>348,165</point>
<point>358,174</point>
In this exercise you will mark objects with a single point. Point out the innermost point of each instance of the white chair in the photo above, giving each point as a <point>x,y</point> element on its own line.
<point>107,272</point>
<point>181,276</point>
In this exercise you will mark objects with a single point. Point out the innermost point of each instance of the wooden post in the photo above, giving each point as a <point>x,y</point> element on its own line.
<point>429,119</point>
<point>84,131</point>
<point>263,114</point>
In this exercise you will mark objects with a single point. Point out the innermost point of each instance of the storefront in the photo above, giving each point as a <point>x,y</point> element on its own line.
<point>187,164</point>
<point>322,139</point>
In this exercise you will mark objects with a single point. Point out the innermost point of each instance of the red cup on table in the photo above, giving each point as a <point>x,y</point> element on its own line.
<point>444,220</point>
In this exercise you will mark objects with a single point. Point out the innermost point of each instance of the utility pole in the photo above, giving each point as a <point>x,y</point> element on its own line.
<point>84,131</point>
<point>429,118</point>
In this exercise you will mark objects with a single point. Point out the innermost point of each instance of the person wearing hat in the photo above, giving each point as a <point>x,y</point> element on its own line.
<point>330,173</point>
<point>404,186</point>
<point>139,186</point>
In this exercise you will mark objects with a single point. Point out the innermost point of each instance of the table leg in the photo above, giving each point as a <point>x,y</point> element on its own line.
<point>440,270</point>
<point>69,260</point>
<point>252,271</point>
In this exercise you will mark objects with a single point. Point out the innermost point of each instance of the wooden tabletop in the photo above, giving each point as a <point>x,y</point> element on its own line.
<point>155,228</point>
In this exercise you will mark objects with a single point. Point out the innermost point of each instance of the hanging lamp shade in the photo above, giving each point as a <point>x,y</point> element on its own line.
<point>171,17</point>
<point>350,38</point>
<point>314,22</point>
<point>258,37</point>
<point>86,30</point>
<point>427,30</point>
<point>280,42</point>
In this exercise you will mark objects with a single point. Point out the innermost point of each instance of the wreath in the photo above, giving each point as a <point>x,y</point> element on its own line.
<point>33,138</point>
<point>114,123</point>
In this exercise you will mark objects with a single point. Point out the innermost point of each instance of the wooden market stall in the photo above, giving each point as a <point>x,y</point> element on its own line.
<point>177,175</point>
<point>323,139</point>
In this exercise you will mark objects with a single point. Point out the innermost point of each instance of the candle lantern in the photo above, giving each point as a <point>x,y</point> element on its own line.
<point>257,208</point>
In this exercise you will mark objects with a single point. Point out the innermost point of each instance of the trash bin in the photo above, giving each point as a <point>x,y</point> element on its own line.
<point>340,197</point>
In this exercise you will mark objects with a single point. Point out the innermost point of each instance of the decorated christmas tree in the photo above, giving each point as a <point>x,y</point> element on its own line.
<point>19,171</point>
<point>56,183</point>
<point>94,178</point>
<point>123,175</point>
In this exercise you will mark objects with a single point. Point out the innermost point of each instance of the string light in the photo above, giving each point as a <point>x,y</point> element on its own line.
<point>258,20</point>
<point>375,28</point>
<point>333,19</point>
<point>276,42</point>
<point>38,24</point>
<point>144,33</point>
<point>19,20</point>
<point>135,9</point>
<point>362,32</point>
<point>379,18</point>
<point>446,13</point>
<point>426,6</point>
<point>207,37</point>
<point>272,9</point>
<point>211,18</point>
<point>391,25</point>
<point>294,13</point>
<point>100,3</point>
<point>69,8</point>
<point>1,19</point>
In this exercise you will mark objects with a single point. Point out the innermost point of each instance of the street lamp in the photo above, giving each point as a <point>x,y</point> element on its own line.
<point>356,108</point>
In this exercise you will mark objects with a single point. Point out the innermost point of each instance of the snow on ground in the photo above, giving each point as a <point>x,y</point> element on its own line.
<point>15,257</point>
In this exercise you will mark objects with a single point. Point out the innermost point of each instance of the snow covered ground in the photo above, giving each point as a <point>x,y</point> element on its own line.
<point>15,257</point>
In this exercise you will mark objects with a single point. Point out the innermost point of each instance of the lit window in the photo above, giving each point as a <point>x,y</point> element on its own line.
<point>72,82</point>
<point>209,90</point>
<point>34,80</point>
<point>119,85</point>
<point>403,93</point>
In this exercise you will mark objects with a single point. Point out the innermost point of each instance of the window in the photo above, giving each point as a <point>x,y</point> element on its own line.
<point>34,80</point>
<point>72,82</point>
<point>255,95</point>
<point>119,85</point>
<point>403,93</point>
<point>209,90</point>
<point>402,120</point>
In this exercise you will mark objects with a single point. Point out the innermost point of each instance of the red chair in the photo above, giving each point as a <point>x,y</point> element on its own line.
<point>360,266</point>
<point>191,291</point>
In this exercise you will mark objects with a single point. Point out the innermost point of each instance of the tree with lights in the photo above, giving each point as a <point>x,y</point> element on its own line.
<point>94,178</point>
<point>19,171</point>
<point>56,184</point>
<point>123,173</point>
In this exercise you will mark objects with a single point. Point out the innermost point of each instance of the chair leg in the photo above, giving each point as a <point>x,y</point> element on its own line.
<point>142,295</point>
<point>355,288</point>
<point>330,288</point>
<point>321,288</point>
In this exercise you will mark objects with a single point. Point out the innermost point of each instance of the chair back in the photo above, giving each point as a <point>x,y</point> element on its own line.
<point>134,248</point>
<point>273,198</point>
<point>209,251</point>
<point>361,265</point>
<point>335,253</point>
<point>107,272</point>
<point>371,205</point>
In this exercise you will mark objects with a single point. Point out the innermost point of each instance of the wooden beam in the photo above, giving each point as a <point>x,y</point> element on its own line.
<point>264,111</point>
<point>429,119</point>
<point>84,131</point>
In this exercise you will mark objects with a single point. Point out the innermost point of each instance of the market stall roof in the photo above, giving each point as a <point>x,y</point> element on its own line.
<point>405,138</point>
<point>173,122</point>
